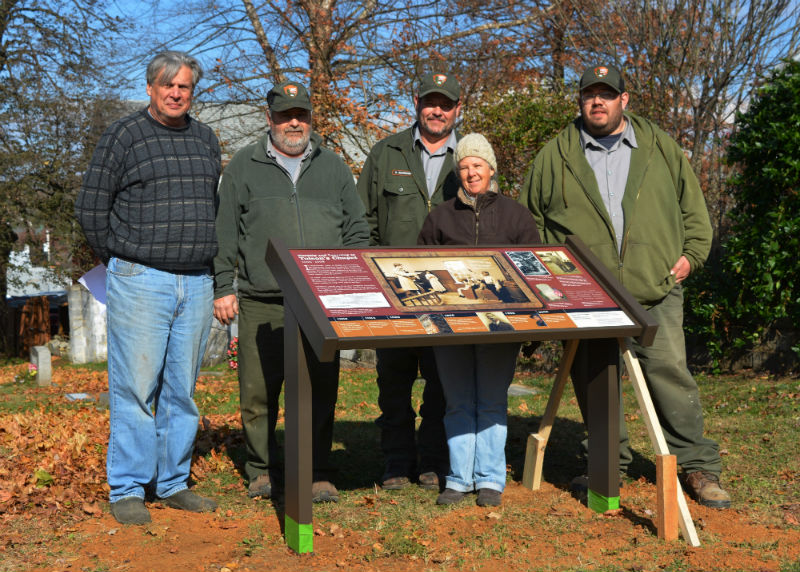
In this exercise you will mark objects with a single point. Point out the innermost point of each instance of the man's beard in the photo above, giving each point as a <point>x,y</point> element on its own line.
<point>290,145</point>
<point>442,131</point>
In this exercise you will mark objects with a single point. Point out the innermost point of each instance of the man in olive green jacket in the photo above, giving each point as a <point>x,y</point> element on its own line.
<point>404,177</point>
<point>627,190</point>
<point>284,186</point>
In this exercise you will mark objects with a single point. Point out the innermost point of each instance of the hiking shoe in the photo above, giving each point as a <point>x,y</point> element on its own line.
<point>261,486</point>
<point>580,484</point>
<point>489,497</point>
<point>324,491</point>
<point>395,483</point>
<point>429,481</point>
<point>187,500</point>
<point>130,510</point>
<point>450,496</point>
<point>704,488</point>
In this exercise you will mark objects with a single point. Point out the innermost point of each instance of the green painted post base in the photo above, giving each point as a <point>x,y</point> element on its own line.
<point>299,537</point>
<point>599,503</point>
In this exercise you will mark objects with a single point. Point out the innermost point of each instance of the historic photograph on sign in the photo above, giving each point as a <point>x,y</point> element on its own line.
<point>558,262</point>
<point>450,281</point>
<point>527,263</point>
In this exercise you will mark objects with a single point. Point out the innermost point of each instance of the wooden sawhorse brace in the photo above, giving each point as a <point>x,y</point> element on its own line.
<point>537,442</point>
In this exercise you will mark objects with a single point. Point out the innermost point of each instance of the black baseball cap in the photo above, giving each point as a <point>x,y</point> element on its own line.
<point>443,83</point>
<point>288,95</point>
<point>605,74</point>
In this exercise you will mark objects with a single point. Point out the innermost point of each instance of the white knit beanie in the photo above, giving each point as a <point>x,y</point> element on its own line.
<point>475,145</point>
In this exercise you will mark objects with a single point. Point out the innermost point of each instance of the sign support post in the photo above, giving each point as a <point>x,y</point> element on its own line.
<point>297,399</point>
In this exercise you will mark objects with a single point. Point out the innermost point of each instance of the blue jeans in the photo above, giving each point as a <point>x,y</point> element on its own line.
<point>475,379</point>
<point>158,324</point>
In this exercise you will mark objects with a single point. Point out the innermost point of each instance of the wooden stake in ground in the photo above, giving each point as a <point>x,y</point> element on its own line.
<point>656,434</point>
<point>667,493</point>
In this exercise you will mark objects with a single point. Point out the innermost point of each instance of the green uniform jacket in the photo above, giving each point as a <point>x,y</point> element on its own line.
<point>393,188</point>
<point>665,212</point>
<point>258,201</point>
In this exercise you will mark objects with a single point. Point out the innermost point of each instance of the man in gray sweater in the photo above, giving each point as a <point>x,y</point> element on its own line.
<point>147,209</point>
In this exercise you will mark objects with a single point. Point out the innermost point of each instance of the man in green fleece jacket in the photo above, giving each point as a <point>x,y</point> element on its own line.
<point>627,190</point>
<point>404,177</point>
<point>284,186</point>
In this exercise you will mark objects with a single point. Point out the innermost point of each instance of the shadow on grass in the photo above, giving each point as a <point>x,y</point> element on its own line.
<point>563,459</point>
<point>357,460</point>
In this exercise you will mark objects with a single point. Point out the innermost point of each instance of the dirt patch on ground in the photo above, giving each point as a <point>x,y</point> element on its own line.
<point>543,530</point>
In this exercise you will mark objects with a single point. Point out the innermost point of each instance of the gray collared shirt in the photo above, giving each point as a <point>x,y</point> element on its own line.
<point>290,164</point>
<point>432,162</point>
<point>611,168</point>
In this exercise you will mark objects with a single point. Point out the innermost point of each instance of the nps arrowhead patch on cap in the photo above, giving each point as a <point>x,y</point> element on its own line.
<point>442,83</point>
<point>605,74</point>
<point>288,95</point>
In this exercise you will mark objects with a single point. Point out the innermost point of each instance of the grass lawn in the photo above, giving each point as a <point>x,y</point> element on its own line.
<point>53,496</point>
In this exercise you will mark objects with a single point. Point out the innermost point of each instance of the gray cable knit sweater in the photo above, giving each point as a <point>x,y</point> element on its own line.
<point>148,194</point>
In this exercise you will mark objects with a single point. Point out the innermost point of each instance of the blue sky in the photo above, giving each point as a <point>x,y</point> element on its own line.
<point>161,23</point>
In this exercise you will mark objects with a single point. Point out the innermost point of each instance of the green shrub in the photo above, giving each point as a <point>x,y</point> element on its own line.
<point>756,287</point>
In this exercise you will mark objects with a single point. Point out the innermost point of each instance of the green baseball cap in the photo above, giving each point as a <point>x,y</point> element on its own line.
<point>288,95</point>
<point>445,84</point>
<point>605,74</point>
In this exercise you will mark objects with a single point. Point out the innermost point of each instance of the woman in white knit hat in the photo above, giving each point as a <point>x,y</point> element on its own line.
<point>476,377</point>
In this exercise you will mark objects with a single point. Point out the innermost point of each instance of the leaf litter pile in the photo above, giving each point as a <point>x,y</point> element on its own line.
<point>54,512</point>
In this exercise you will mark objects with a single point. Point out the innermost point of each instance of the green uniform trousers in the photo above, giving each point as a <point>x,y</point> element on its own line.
<point>261,374</point>
<point>674,391</point>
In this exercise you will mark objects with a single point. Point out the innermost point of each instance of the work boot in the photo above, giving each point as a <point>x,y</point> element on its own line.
<point>450,496</point>
<point>187,500</point>
<point>489,497</point>
<point>704,487</point>
<point>261,486</point>
<point>429,481</point>
<point>130,510</point>
<point>395,483</point>
<point>324,491</point>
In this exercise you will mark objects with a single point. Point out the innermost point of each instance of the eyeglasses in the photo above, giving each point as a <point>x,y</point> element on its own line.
<point>603,95</point>
<point>443,103</point>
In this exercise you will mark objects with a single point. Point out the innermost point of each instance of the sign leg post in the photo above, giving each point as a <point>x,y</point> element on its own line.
<point>603,425</point>
<point>297,396</point>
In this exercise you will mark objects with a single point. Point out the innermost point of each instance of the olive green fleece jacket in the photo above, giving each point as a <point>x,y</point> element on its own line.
<point>665,212</point>
<point>393,188</point>
<point>258,202</point>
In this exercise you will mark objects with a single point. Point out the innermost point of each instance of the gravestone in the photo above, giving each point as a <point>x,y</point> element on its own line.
<point>87,325</point>
<point>40,357</point>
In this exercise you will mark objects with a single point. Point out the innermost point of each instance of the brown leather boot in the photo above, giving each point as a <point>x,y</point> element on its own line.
<point>704,487</point>
<point>324,491</point>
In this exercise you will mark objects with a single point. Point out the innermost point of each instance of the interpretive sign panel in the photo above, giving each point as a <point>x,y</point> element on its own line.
<point>342,298</point>
<point>391,292</point>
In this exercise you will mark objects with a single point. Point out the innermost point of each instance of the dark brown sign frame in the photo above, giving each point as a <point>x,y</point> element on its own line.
<point>309,326</point>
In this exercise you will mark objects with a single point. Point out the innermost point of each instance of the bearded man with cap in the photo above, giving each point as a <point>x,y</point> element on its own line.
<point>404,177</point>
<point>627,190</point>
<point>284,186</point>
<point>476,377</point>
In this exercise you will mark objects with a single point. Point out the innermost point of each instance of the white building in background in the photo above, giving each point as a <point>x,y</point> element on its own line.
<point>25,279</point>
